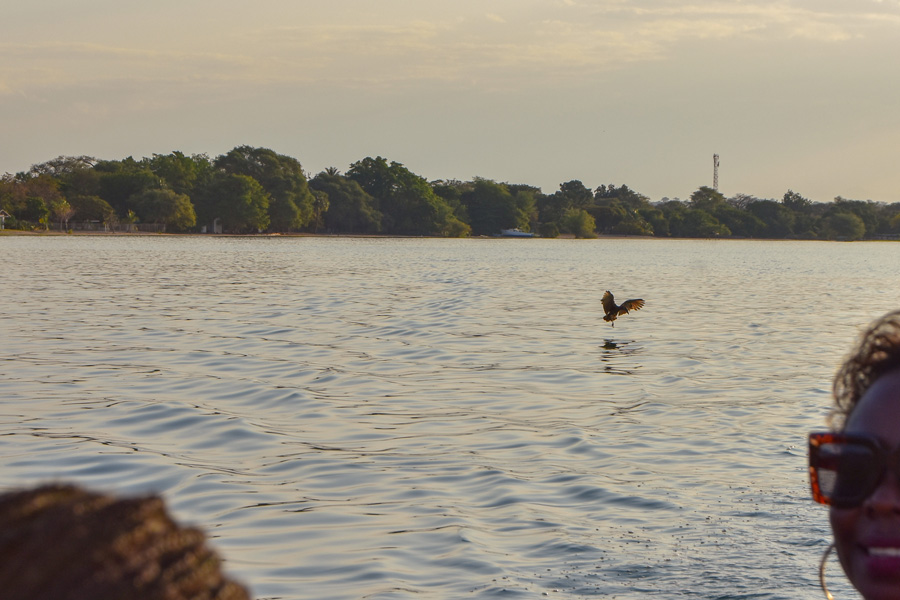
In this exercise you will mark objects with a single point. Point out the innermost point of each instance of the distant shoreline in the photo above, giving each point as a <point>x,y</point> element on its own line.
<point>57,233</point>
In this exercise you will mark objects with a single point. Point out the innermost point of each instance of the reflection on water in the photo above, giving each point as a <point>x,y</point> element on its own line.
<point>445,418</point>
<point>619,357</point>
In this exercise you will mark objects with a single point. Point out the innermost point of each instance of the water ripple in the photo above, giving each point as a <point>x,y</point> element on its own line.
<point>353,418</point>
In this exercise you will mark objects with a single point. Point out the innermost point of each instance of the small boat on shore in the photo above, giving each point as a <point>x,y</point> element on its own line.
<point>515,232</point>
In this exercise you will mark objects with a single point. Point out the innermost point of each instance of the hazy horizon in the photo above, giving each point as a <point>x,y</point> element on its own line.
<point>792,94</point>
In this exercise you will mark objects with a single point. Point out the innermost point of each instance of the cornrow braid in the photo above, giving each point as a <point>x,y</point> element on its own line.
<point>60,542</point>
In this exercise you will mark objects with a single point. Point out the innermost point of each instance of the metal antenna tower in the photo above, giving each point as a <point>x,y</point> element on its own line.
<point>716,172</point>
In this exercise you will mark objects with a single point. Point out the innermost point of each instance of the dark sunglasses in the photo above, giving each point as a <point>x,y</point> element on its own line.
<point>845,469</point>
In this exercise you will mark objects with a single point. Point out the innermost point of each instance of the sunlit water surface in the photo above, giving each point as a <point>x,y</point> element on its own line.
<point>424,418</point>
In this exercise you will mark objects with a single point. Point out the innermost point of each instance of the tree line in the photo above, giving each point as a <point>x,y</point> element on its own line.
<point>252,190</point>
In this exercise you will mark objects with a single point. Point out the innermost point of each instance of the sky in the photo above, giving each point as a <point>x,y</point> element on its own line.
<point>791,94</point>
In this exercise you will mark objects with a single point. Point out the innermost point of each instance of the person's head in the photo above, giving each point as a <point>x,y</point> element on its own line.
<point>63,543</point>
<point>857,467</point>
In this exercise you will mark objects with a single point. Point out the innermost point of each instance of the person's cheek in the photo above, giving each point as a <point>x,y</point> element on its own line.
<point>843,528</point>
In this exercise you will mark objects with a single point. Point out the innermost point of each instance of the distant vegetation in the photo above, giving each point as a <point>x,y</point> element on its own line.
<point>251,190</point>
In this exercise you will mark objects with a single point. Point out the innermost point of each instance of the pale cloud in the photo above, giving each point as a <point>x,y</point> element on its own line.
<point>826,32</point>
<point>55,65</point>
<point>539,42</point>
<point>762,22</point>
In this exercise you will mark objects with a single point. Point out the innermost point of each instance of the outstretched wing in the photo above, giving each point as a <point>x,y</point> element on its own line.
<point>609,304</point>
<point>636,304</point>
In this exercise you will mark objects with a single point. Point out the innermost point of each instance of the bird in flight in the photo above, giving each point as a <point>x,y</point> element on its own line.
<point>613,310</point>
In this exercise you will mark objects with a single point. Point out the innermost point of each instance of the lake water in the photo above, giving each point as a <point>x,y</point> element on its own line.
<point>426,418</point>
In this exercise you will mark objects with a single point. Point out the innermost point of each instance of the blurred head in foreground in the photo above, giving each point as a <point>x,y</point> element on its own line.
<point>61,542</point>
<point>855,468</point>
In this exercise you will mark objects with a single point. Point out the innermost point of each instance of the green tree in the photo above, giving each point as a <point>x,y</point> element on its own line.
<point>11,196</point>
<point>238,201</point>
<point>555,207</point>
<point>739,221</point>
<point>778,219</point>
<point>609,213</point>
<point>455,228</point>
<point>673,213</point>
<point>451,192</point>
<point>579,222</point>
<point>80,182</point>
<point>633,224</point>
<point>61,165</point>
<point>844,226</point>
<point>62,211</point>
<point>407,202</point>
<point>44,187</point>
<point>692,222</point>
<point>491,208</point>
<point>91,208</point>
<point>701,224</point>
<point>706,198</point>
<point>895,222</point>
<point>804,211</point>
<point>350,208</point>
<point>121,180</point>
<point>549,230</point>
<point>35,210</point>
<point>870,212</point>
<point>626,196</point>
<point>285,215</point>
<point>741,201</point>
<point>320,207</point>
<point>576,195</point>
<point>165,207</point>
<point>30,197</point>
<point>75,175</point>
<point>795,201</point>
<point>290,201</point>
<point>552,208</point>
<point>619,211</point>
<point>179,172</point>
<point>657,220</point>
<point>526,199</point>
